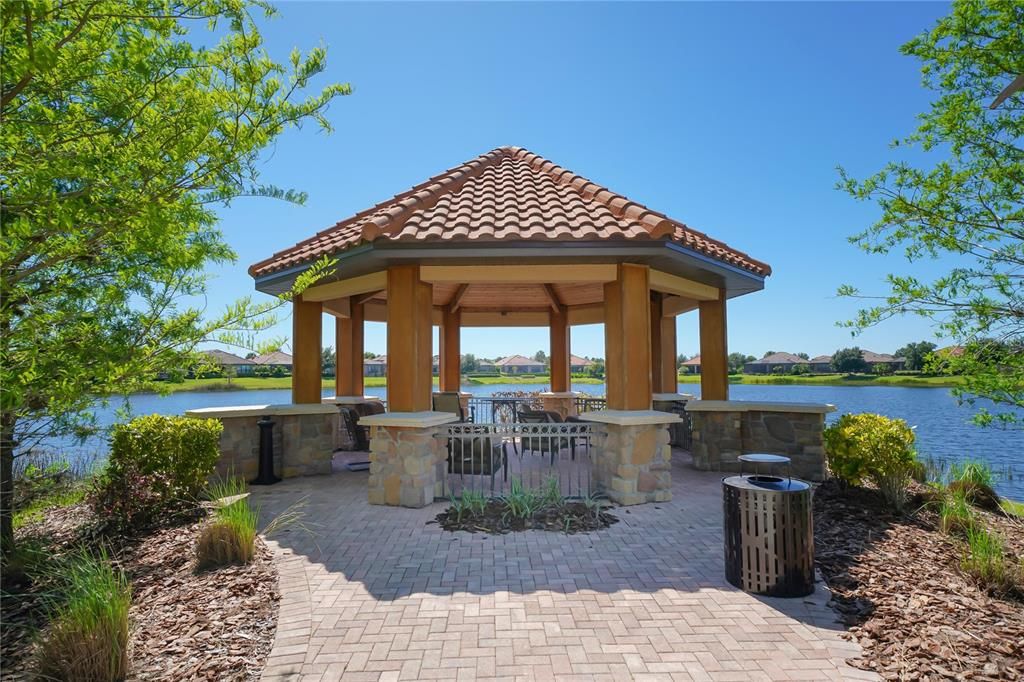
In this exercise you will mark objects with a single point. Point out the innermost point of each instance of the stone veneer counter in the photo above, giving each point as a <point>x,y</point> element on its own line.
<point>725,429</point>
<point>304,438</point>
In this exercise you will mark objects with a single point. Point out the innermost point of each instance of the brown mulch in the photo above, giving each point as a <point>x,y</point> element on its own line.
<point>186,625</point>
<point>896,580</point>
<point>571,517</point>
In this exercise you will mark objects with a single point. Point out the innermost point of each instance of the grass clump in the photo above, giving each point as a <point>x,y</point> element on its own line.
<point>985,559</point>
<point>88,638</point>
<point>974,480</point>
<point>1011,508</point>
<point>231,537</point>
<point>955,513</point>
<point>468,504</point>
<point>520,502</point>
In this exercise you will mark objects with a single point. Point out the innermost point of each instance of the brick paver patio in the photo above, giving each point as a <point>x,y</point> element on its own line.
<point>378,593</point>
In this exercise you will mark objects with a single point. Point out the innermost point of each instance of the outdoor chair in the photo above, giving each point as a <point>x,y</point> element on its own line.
<point>451,402</point>
<point>358,435</point>
<point>546,444</point>
<point>472,455</point>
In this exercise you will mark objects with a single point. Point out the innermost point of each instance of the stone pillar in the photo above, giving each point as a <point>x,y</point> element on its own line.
<point>562,402</point>
<point>633,458</point>
<point>307,322</point>
<point>407,458</point>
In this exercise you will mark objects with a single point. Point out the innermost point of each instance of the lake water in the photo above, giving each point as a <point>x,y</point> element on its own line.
<point>944,431</point>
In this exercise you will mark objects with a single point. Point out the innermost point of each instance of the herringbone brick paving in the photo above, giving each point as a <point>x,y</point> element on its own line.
<point>380,593</point>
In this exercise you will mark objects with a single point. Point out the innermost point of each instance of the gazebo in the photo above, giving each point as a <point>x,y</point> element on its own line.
<point>508,239</point>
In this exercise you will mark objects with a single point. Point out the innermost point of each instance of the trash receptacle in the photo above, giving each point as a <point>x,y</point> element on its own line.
<point>769,536</point>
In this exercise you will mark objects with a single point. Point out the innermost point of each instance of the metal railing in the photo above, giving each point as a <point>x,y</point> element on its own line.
<point>500,410</point>
<point>586,403</point>
<point>486,458</point>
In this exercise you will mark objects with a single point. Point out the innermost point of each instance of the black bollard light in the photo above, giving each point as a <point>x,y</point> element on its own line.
<point>266,473</point>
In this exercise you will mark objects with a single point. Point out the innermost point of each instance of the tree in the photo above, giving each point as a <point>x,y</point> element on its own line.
<point>469,363</point>
<point>960,198</point>
<point>805,356</point>
<point>737,360</point>
<point>596,368</point>
<point>680,359</point>
<point>915,354</point>
<point>541,357</point>
<point>849,360</point>
<point>368,355</point>
<point>328,358</point>
<point>120,136</point>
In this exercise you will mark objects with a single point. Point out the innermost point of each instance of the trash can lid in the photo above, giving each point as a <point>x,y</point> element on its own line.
<point>775,483</point>
<point>759,458</point>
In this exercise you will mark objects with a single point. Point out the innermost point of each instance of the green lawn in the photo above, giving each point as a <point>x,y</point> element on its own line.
<point>832,380</point>
<point>266,383</point>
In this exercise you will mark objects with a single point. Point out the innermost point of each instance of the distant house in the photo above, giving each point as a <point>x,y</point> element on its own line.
<point>769,363</point>
<point>277,358</point>
<point>225,360</point>
<point>517,364</point>
<point>435,367</point>
<point>691,366</point>
<point>578,365</point>
<point>875,359</point>
<point>821,364</point>
<point>375,367</point>
<point>485,367</point>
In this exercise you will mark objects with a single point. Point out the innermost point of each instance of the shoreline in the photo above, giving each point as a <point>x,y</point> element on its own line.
<point>278,383</point>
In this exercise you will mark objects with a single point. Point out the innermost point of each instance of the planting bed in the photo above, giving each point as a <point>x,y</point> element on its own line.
<point>898,584</point>
<point>185,624</point>
<point>568,517</point>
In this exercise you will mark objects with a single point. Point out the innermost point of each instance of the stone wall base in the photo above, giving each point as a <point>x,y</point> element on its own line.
<point>720,437</point>
<point>633,463</point>
<point>303,445</point>
<point>406,465</point>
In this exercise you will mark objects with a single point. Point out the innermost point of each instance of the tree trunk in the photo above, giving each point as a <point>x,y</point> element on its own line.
<point>7,422</point>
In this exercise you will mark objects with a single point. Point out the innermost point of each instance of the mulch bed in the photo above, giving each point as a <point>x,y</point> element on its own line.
<point>571,517</point>
<point>186,625</point>
<point>897,583</point>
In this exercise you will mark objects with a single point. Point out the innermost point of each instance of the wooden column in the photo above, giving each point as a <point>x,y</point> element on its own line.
<point>307,320</point>
<point>348,334</point>
<point>410,340</point>
<point>627,338</point>
<point>558,348</point>
<point>714,352</point>
<point>451,356</point>
<point>656,355</point>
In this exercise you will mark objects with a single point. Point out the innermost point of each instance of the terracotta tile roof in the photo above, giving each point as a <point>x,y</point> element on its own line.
<point>222,357</point>
<point>692,362</point>
<point>276,357</point>
<point>779,359</point>
<point>504,195</point>
<point>517,361</point>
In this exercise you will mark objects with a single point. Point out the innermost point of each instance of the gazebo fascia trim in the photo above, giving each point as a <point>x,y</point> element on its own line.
<point>371,257</point>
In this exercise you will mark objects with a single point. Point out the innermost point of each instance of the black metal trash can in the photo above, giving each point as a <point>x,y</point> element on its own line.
<point>769,535</point>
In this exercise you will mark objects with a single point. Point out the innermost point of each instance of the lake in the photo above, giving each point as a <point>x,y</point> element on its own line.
<point>943,428</point>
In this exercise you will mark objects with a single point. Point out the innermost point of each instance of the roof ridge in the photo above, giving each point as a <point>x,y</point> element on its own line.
<point>655,224</point>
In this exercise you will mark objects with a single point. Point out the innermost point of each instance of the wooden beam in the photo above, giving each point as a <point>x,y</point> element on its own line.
<point>552,295</point>
<point>450,355</point>
<point>669,356</point>
<point>375,281</point>
<point>677,305</point>
<point>472,318</point>
<point>307,320</point>
<point>591,313</point>
<point>457,297</point>
<point>627,330</point>
<point>558,349</point>
<point>339,307</point>
<point>529,274</point>
<point>367,297</point>
<point>410,340</point>
<point>714,352</point>
<point>680,286</point>
<point>348,338</point>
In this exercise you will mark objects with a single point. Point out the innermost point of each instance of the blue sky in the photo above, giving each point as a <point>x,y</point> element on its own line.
<point>730,117</point>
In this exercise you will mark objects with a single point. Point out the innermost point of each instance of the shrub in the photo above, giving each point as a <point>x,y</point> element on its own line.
<point>231,537</point>
<point>130,500</point>
<point>179,451</point>
<point>88,638</point>
<point>870,446</point>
